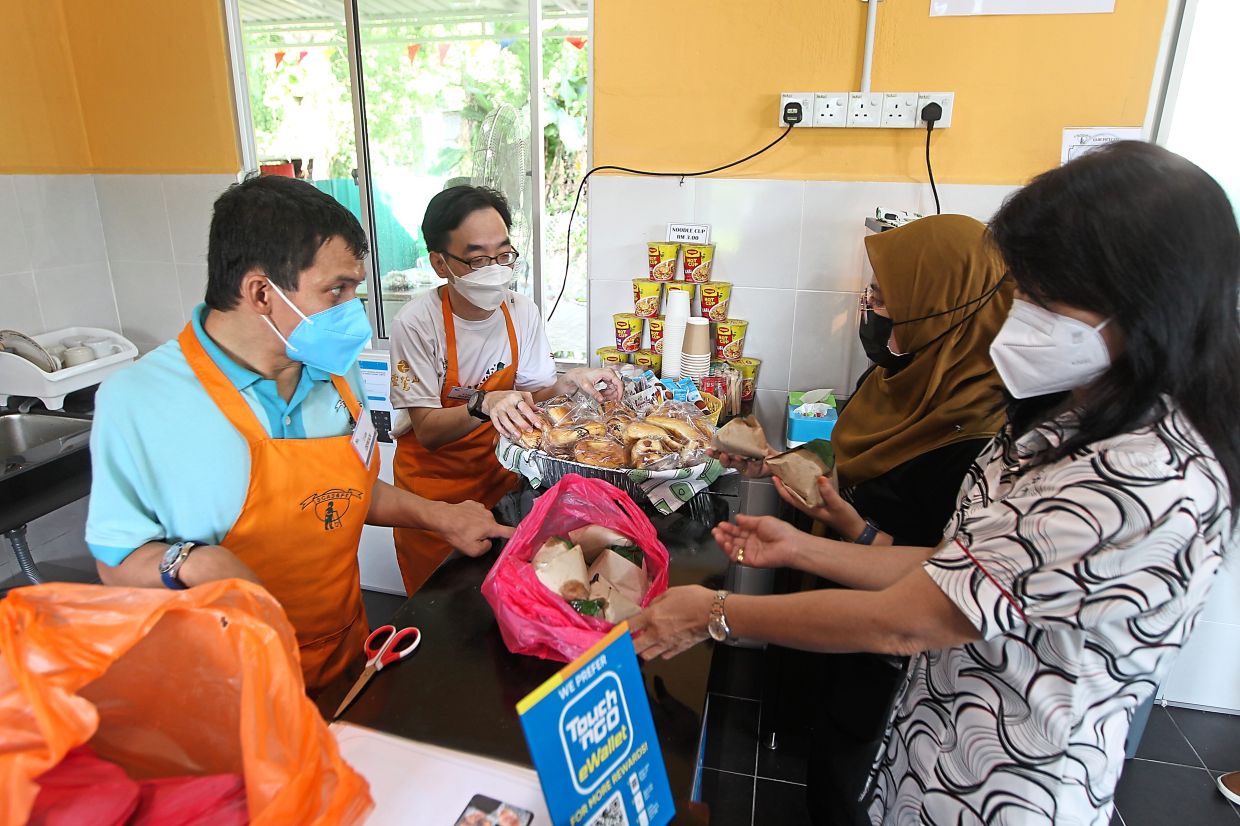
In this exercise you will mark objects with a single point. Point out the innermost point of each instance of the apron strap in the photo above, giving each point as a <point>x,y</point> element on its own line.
<point>222,391</point>
<point>346,393</point>
<point>452,376</point>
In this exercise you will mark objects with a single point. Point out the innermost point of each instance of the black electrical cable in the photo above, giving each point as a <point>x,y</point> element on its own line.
<point>932,113</point>
<point>938,210</point>
<point>568,246</point>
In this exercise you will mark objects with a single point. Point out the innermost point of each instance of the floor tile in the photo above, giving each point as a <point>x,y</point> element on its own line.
<point>380,606</point>
<point>730,798</point>
<point>1215,736</point>
<point>1163,741</point>
<point>782,803</point>
<point>737,672</point>
<point>731,734</point>
<point>788,760</point>
<point>1157,794</point>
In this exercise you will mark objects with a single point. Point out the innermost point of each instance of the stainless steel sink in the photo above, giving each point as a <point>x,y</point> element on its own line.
<point>33,437</point>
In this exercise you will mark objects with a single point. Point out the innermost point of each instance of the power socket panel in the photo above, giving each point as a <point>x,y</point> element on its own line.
<point>944,99</point>
<point>806,99</point>
<point>831,110</point>
<point>865,110</point>
<point>899,110</point>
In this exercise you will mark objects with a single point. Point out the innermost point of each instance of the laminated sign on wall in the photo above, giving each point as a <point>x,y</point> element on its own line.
<point>965,8</point>
<point>593,741</point>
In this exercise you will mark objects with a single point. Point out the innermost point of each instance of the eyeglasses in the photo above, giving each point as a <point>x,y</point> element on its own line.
<point>504,259</point>
<point>872,299</point>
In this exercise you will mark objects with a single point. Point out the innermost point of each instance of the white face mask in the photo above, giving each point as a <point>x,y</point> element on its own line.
<point>486,288</point>
<point>1038,352</point>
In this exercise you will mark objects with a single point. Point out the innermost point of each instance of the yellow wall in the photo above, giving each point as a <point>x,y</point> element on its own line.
<point>41,127</point>
<point>694,83</point>
<point>121,86</point>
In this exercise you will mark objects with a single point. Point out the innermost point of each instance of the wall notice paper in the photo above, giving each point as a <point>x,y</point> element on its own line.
<point>418,783</point>
<point>593,741</point>
<point>967,8</point>
<point>1077,140</point>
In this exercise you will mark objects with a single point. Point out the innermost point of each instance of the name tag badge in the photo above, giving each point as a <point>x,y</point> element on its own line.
<point>364,438</point>
<point>461,393</point>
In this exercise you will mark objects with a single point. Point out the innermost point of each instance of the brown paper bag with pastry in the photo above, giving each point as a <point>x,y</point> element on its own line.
<point>742,436</point>
<point>798,468</point>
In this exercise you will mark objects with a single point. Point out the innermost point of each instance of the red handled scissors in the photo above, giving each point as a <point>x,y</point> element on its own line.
<point>384,646</point>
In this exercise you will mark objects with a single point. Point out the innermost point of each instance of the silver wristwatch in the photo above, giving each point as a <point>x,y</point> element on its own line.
<point>717,626</point>
<point>170,566</point>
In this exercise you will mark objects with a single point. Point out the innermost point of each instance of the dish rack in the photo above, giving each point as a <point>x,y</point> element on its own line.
<point>19,377</point>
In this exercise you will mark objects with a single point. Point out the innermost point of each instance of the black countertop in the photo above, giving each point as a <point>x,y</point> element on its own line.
<point>461,688</point>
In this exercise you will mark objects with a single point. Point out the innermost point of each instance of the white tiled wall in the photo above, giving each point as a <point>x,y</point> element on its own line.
<point>792,250</point>
<point>122,252</point>
<point>53,258</point>
<point>156,230</point>
<point>1207,671</point>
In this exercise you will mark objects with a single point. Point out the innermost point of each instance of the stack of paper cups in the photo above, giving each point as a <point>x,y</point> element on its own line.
<point>696,352</point>
<point>674,325</point>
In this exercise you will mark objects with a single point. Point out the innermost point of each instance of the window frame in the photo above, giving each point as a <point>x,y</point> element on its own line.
<point>248,151</point>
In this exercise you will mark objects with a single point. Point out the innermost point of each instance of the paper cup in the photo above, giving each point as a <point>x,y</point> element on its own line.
<point>610,355</point>
<point>656,335</point>
<point>697,339</point>
<point>698,261</point>
<point>716,298</point>
<point>646,295</point>
<point>629,329</point>
<point>683,287</point>
<point>649,359</point>
<point>662,258</point>
<point>748,368</point>
<point>730,339</point>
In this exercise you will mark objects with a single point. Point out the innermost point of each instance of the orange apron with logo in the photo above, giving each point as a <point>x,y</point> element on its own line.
<point>457,472</point>
<point>301,523</point>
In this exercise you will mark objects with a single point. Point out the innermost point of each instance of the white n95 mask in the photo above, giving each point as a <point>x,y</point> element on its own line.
<point>486,288</point>
<point>1038,352</point>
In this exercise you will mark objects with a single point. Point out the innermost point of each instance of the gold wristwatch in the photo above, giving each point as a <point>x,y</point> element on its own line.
<point>717,626</point>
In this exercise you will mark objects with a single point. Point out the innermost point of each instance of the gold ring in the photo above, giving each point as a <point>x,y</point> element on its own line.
<point>740,554</point>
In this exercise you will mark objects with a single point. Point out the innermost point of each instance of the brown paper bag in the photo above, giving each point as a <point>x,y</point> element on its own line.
<point>742,437</point>
<point>800,468</point>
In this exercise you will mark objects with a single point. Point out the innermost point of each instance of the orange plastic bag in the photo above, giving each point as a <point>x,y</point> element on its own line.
<point>167,683</point>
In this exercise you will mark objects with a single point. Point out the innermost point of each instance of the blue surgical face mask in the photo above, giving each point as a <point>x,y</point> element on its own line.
<point>330,340</point>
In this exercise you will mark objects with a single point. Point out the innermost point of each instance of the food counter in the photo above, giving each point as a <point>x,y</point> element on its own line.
<point>460,689</point>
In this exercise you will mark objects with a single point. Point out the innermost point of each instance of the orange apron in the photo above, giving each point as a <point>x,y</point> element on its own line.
<point>301,523</point>
<point>457,472</point>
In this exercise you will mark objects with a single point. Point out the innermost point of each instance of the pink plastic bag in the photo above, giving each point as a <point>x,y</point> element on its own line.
<point>532,618</point>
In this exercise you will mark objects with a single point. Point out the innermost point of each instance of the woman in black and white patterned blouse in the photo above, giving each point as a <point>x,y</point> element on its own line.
<point>1086,535</point>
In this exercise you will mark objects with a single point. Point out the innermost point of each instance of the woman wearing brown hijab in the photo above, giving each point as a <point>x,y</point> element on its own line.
<point>912,428</point>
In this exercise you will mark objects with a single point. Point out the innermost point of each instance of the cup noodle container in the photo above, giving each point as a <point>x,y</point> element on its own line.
<point>699,258</point>
<point>611,356</point>
<point>656,334</point>
<point>730,339</point>
<point>649,360</point>
<point>748,368</point>
<point>629,331</point>
<point>662,260</point>
<point>646,295</point>
<point>716,298</point>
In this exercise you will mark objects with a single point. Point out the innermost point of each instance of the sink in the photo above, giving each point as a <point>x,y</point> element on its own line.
<point>23,432</point>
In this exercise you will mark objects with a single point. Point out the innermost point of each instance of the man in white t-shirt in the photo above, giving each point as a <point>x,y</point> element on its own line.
<point>468,358</point>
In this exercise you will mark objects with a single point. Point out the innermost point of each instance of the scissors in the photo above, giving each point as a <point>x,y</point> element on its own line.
<point>384,646</point>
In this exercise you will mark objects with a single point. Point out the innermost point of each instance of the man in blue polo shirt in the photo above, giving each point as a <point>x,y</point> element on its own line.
<point>240,450</point>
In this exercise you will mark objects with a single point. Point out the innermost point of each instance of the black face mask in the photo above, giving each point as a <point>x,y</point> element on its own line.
<point>875,332</point>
